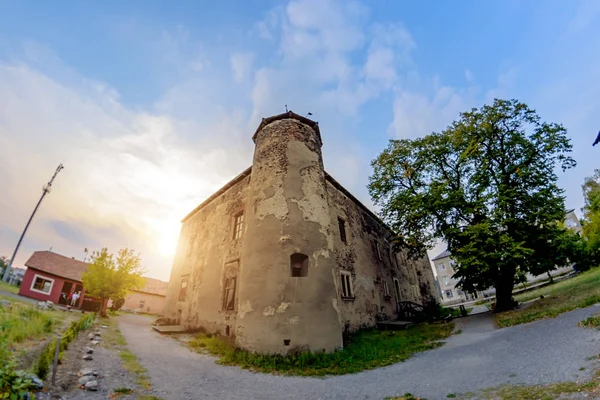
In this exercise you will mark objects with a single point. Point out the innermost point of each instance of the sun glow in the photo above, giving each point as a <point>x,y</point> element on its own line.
<point>168,235</point>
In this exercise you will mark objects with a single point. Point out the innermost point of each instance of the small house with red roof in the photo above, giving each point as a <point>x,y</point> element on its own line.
<point>53,277</point>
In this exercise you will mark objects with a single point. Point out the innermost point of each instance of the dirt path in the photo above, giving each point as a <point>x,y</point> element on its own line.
<point>480,357</point>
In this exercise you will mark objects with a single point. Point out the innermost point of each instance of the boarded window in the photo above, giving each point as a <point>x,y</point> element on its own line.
<point>183,289</point>
<point>238,226</point>
<point>229,293</point>
<point>342,226</point>
<point>299,265</point>
<point>397,289</point>
<point>347,289</point>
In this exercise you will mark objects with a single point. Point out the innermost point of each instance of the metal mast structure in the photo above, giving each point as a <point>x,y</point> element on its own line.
<point>45,191</point>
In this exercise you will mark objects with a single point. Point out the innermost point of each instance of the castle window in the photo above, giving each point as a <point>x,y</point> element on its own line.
<point>386,289</point>
<point>378,251</point>
<point>238,226</point>
<point>229,294</point>
<point>397,289</point>
<point>342,226</point>
<point>347,290</point>
<point>183,289</point>
<point>299,265</point>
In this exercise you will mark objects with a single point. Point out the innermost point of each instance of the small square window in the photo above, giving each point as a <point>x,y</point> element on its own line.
<point>238,226</point>
<point>347,289</point>
<point>441,267</point>
<point>449,294</point>
<point>342,226</point>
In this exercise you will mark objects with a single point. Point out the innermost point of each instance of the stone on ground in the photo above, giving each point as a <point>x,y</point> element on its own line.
<point>87,357</point>
<point>85,379</point>
<point>91,385</point>
<point>88,350</point>
<point>87,372</point>
<point>91,336</point>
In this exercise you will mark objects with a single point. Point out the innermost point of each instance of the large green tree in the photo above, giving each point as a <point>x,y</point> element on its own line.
<point>591,216</point>
<point>112,277</point>
<point>487,185</point>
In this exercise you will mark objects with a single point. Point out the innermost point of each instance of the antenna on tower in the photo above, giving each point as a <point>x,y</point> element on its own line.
<point>286,110</point>
<point>309,114</point>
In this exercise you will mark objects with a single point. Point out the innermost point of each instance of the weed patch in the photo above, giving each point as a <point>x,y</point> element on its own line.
<point>591,322</point>
<point>366,349</point>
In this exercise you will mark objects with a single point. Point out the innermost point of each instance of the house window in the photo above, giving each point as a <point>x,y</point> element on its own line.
<point>142,303</point>
<point>299,265</point>
<point>42,284</point>
<point>449,293</point>
<point>441,267</point>
<point>342,226</point>
<point>386,289</point>
<point>238,226</point>
<point>347,290</point>
<point>229,294</point>
<point>183,289</point>
<point>452,263</point>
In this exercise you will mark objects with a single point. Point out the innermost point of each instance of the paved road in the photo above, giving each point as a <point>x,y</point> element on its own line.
<point>480,357</point>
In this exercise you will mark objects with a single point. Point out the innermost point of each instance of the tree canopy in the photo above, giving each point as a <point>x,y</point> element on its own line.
<point>487,185</point>
<point>110,277</point>
<point>591,216</point>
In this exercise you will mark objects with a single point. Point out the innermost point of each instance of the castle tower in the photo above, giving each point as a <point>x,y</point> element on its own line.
<point>287,298</point>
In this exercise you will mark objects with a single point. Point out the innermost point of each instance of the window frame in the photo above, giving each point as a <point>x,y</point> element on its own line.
<point>229,287</point>
<point>347,288</point>
<point>446,293</point>
<point>378,247</point>
<point>183,289</point>
<point>441,267</point>
<point>342,230</point>
<point>35,277</point>
<point>386,289</point>
<point>238,225</point>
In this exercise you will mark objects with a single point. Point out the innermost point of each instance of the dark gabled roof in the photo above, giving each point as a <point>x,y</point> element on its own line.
<point>570,211</point>
<point>287,115</point>
<point>57,264</point>
<point>443,254</point>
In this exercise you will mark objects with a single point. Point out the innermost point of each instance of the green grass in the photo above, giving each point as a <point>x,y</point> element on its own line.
<point>123,390</point>
<point>19,323</point>
<point>405,396</point>
<point>9,288</point>
<point>580,291</point>
<point>367,349</point>
<point>591,322</point>
<point>541,392</point>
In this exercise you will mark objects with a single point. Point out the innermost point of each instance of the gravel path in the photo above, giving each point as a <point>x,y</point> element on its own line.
<point>481,356</point>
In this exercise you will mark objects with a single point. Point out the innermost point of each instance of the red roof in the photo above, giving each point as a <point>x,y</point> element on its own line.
<point>58,265</point>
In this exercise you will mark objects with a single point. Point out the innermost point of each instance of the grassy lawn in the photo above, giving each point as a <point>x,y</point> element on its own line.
<point>367,350</point>
<point>21,322</point>
<point>9,288</point>
<point>580,291</point>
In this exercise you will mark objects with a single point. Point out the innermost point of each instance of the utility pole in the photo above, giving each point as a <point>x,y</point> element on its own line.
<point>45,191</point>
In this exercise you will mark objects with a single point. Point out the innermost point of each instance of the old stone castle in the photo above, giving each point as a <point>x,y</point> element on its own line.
<point>284,258</point>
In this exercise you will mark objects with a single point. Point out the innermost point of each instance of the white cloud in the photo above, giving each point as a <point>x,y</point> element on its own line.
<point>241,65</point>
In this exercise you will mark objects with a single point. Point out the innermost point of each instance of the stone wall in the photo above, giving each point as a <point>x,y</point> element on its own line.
<point>206,255</point>
<point>372,269</point>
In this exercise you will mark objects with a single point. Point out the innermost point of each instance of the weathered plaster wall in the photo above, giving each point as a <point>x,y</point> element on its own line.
<point>287,213</point>
<point>206,255</point>
<point>370,270</point>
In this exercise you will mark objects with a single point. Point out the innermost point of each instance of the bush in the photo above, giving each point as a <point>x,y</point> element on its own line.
<point>13,385</point>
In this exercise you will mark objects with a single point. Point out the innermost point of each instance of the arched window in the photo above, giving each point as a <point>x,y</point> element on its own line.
<point>299,265</point>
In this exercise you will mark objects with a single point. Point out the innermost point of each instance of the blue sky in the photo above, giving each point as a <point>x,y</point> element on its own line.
<point>151,105</point>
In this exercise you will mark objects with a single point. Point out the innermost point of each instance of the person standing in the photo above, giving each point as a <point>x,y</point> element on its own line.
<point>74,299</point>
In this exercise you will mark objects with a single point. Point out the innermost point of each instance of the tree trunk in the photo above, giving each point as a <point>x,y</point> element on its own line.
<point>103,308</point>
<point>504,287</point>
